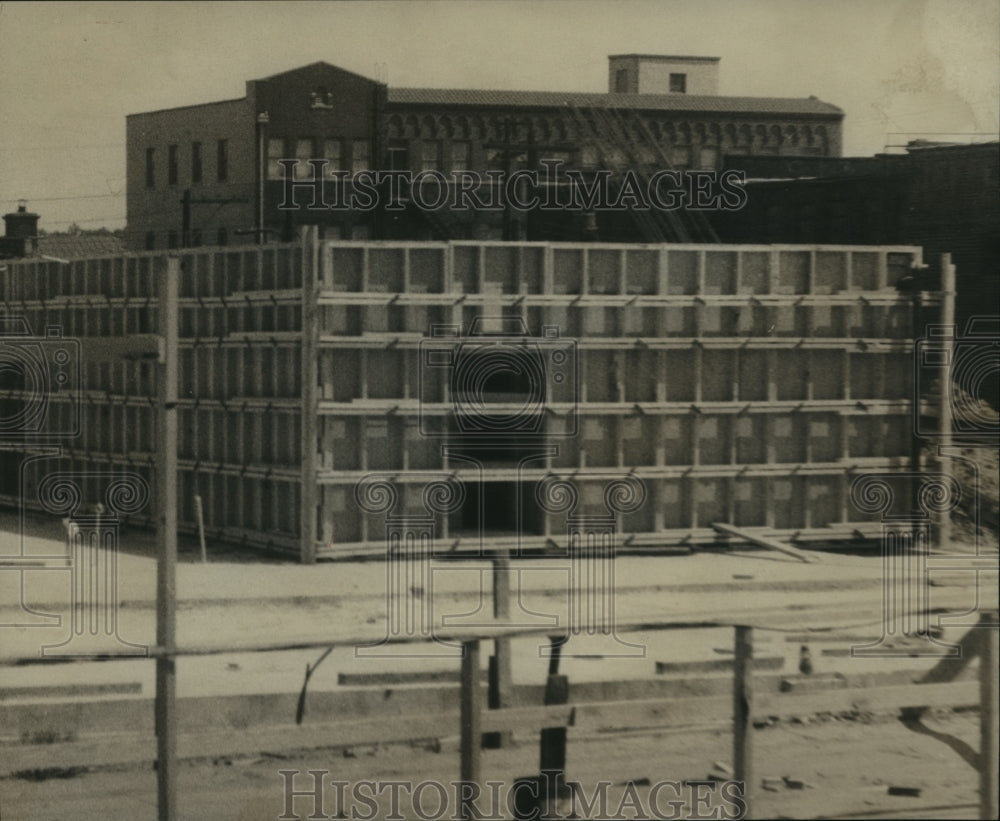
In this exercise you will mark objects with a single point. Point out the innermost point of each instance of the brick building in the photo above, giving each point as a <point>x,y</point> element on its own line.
<point>940,197</point>
<point>210,174</point>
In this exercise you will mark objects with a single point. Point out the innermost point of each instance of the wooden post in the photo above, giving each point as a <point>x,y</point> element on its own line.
<point>989,717</point>
<point>200,515</point>
<point>500,663</point>
<point>552,740</point>
<point>166,569</point>
<point>471,720</point>
<point>743,713</point>
<point>311,260</point>
<point>942,538</point>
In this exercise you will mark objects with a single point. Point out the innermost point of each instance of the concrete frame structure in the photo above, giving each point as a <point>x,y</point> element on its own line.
<point>737,384</point>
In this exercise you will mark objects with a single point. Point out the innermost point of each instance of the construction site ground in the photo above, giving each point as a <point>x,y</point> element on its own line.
<point>816,766</point>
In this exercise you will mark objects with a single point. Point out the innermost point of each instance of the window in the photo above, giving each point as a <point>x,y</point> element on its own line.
<point>222,160</point>
<point>708,158</point>
<point>497,159</point>
<point>399,155</point>
<point>195,162</point>
<point>222,237</point>
<point>678,83</point>
<point>332,154</point>
<point>303,153</point>
<point>621,80</point>
<point>275,152</point>
<point>360,156</point>
<point>196,238</point>
<point>171,239</point>
<point>150,240</point>
<point>150,168</point>
<point>645,155</point>
<point>172,165</point>
<point>461,155</point>
<point>430,155</point>
<point>680,156</point>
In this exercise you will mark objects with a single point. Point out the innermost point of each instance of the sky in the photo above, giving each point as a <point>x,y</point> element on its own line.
<point>70,72</point>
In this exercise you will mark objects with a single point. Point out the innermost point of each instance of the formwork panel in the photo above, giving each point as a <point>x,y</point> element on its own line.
<point>567,270</point>
<point>678,440</point>
<point>864,270</point>
<point>682,375</point>
<point>714,439</point>
<point>755,272</point>
<point>500,269</point>
<point>711,501</point>
<point>718,375</point>
<point>427,270</point>
<point>750,439</point>
<point>601,375</point>
<point>642,373</point>
<point>787,437</point>
<point>830,276</point>
<point>793,273</point>
<point>792,377</point>
<point>642,271</point>
<point>826,374</point>
<point>604,271</point>
<point>824,437</point>
<point>750,501</point>
<point>683,272</point>
<point>639,434</point>
<point>599,440</point>
<point>675,508</point>
<point>753,376</point>
<point>721,268</point>
<point>787,503</point>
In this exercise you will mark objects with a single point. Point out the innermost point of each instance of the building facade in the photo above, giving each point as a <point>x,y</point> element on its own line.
<point>213,173</point>
<point>940,197</point>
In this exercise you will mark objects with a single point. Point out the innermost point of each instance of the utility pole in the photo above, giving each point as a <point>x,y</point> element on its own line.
<point>262,120</point>
<point>166,568</point>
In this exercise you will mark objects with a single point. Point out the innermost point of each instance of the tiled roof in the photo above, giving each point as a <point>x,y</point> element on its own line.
<point>641,102</point>
<point>82,246</point>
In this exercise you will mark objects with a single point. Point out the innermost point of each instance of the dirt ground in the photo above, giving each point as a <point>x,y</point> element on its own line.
<point>819,768</point>
<point>823,767</point>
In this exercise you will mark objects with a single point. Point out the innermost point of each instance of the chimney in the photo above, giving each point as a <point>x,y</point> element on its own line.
<point>21,224</point>
<point>21,230</point>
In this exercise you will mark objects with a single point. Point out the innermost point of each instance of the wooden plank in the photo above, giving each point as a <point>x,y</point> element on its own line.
<point>717,665</point>
<point>135,750</point>
<point>764,541</point>
<point>593,717</point>
<point>113,348</point>
<point>872,699</point>
<point>396,678</point>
